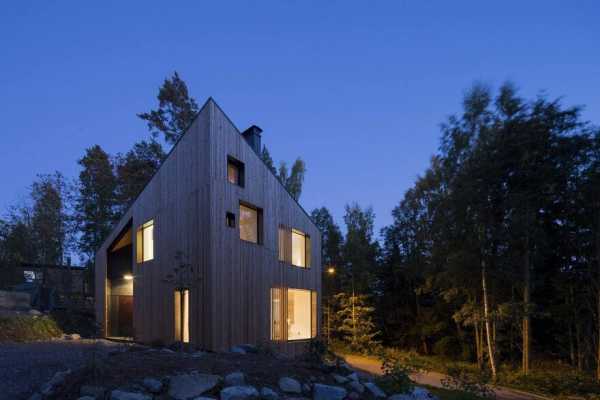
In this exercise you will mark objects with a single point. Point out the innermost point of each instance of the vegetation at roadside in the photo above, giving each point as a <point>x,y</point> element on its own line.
<point>25,328</point>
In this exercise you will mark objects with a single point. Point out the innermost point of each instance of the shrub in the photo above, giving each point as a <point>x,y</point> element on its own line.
<point>24,328</point>
<point>475,383</point>
<point>396,373</point>
<point>447,346</point>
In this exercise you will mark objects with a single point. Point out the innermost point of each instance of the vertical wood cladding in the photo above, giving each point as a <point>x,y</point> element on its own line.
<point>188,199</point>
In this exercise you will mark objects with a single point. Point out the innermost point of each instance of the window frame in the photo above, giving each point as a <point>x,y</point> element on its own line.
<point>241,171</point>
<point>286,248</point>
<point>259,222</point>
<point>281,295</point>
<point>140,245</point>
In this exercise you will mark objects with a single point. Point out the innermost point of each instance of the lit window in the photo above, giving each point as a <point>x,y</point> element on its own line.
<point>294,247</point>
<point>300,314</point>
<point>250,220</point>
<point>235,171</point>
<point>145,242</point>
<point>182,315</point>
<point>230,219</point>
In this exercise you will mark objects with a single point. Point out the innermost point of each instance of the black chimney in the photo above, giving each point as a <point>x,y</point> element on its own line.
<point>252,136</point>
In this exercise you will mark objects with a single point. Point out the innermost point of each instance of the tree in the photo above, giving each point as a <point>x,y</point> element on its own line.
<point>266,157</point>
<point>51,218</point>
<point>356,324</point>
<point>135,169</point>
<point>175,113</point>
<point>96,201</point>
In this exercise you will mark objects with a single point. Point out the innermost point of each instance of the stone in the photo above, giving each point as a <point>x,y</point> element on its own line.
<point>353,396</point>
<point>328,392</point>
<point>374,390</point>
<point>401,397</point>
<point>306,388</point>
<point>235,379</point>
<point>35,396</point>
<point>345,368</point>
<point>419,393</point>
<point>290,385</point>
<point>198,354</point>
<point>249,348</point>
<point>268,394</point>
<point>237,350</point>
<point>72,336</point>
<point>34,313</point>
<point>353,377</point>
<point>119,394</point>
<point>357,386</point>
<point>97,392</point>
<point>167,350</point>
<point>152,385</point>
<point>239,393</point>
<point>185,386</point>
<point>339,379</point>
<point>86,398</point>
<point>57,380</point>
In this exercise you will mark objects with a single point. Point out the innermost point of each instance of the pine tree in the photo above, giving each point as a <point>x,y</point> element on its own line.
<point>356,324</point>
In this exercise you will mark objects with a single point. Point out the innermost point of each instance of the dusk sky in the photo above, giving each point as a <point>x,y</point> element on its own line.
<point>357,89</point>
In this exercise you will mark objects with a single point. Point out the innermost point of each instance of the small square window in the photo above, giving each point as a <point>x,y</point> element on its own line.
<point>235,171</point>
<point>230,219</point>
<point>250,224</point>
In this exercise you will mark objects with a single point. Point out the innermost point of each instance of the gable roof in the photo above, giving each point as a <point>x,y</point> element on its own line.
<point>208,101</point>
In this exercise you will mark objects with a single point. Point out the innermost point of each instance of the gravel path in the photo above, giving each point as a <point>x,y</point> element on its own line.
<point>24,367</point>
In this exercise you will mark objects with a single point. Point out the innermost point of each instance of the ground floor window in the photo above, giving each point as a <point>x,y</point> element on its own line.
<point>181,303</point>
<point>293,314</point>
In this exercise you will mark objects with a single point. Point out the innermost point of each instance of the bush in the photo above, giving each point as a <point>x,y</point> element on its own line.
<point>396,373</point>
<point>448,346</point>
<point>24,328</point>
<point>474,383</point>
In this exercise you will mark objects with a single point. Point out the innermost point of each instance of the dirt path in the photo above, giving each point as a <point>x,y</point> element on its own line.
<point>24,367</point>
<point>373,366</point>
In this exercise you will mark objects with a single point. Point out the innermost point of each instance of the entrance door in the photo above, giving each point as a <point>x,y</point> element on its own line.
<point>126,316</point>
<point>181,302</point>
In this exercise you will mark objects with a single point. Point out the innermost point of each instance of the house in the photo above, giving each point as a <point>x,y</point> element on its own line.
<point>214,251</point>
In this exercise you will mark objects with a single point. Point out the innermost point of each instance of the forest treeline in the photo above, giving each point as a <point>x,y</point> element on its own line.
<point>493,255</point>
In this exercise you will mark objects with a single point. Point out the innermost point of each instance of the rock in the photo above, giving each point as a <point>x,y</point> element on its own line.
<point>34,313</point>
<point>97,392</point>
<point>86,398</point>
<point>339,379</point>
<point>327,366</point>
<point>152,385</point>
<point>419,393</point>
<point>345,368</point>
<point>401,397</point>
<point>72,336</point>
<point>185,386</point>
<point>239,393</point>
<point>198,354</point>
<point>306,388</point>
<point>327,392</point>
<point>204,398</point>
<point>57,380</point>
<point>268,394</point>
<point>124,395</point>
<point>237,350</point>
<point>353,396</point>
<point>167,350</point>
<point>249,348</point>
<point>290,385</point>
<point>235,379</point>
<point>357,387</point>
<point>35,396</point>
<point>374,390</point>
<point>353,377</point>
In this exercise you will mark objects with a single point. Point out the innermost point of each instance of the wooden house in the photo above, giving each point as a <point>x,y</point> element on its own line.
<point>214,251</point>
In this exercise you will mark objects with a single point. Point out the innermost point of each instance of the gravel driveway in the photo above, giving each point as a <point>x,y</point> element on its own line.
<point>24,367</point>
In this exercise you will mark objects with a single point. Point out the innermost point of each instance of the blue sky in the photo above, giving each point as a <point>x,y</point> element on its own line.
<point>357,89</point>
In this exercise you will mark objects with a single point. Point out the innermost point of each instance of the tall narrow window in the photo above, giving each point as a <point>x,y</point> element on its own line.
<point>145,242</point>
<point>250,224</point>
<point>235,171</point>
<point>276,314</point>
<point>181,302</point>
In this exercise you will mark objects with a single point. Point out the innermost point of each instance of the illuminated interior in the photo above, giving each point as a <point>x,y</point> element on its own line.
<point>248,224</point>
<point>233,173</point>
<point>145,242</point>
<point>181,303</point>
<point>298,248</point>
<point>299,314</point>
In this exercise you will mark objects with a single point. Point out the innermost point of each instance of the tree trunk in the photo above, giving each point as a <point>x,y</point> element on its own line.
<point>526,305</point>
<point>486,317</point>
<point>579,347</point>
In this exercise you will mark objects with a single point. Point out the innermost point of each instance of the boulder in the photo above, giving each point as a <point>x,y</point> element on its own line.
<point>119,394</point>
<point>34,313</point>
<point>86,398</point>
<point>239,393</point>
<point>186,386</point>
<point>198,354</point>
<point>357,386</point>
<point>152,385</point>
<point>237,350</point>
<point>345,368</point>
<point>353,377</point>
<point>57,380</point>
<point>290,385</point>
<point>401,397</point>
<point>249,348</point>
<point>72,336</point>
<point>328,392</point>
<point>268,394</point>
<point>374,390</point>
<point>419,393</point>
<point>35,396</point>
<point>97,392</point>
<point>339,379</point>
<point>353,396</point>
<point>235,379</point>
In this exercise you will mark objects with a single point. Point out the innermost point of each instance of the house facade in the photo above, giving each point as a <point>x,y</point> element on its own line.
<point>214,251</point>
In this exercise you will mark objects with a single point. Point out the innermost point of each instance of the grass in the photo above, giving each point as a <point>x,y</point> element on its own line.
<point>445,394</point>
<point>25,328</point>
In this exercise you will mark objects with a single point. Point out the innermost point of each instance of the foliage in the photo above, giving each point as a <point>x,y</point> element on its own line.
<point>474,383</point>
<point>319,351</point>
<point>292,180</point>
<point>96,201</point>
<point>396,373</point>
<point>24,328</point>
<point>356,324</point>
<point>175,113</point>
